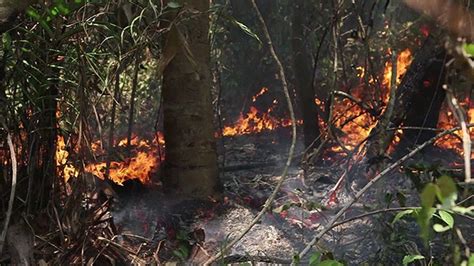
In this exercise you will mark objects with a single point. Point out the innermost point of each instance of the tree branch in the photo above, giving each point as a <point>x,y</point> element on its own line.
<point>13,188</point>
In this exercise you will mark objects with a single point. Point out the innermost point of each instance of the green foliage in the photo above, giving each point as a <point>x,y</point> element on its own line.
<point>401,214</point>
<point>173,4</point>
<point>469,48</point>
<point>316,259</point>
<point>411,258</point>
<point>438,207</point>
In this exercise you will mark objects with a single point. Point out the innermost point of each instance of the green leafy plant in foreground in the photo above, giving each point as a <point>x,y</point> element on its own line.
<point>438,205</point>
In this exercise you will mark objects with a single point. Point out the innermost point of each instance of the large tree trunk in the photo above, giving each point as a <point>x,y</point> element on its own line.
<point>303,75</point>
<point>191,159</point>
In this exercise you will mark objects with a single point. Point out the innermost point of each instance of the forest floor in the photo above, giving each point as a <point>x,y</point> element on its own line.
<point>253,166</point>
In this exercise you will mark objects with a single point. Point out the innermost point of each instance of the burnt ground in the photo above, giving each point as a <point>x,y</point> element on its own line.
<point>252,167</point>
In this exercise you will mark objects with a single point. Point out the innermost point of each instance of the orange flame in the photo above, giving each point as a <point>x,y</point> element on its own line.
<point>448,121</point>
<point>256,121</point>
<point>141,166</point>
<point>355,122</point>
<point>63,166</point>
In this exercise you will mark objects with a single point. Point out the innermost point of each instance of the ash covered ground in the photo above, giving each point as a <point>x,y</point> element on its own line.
<point>250,167</point>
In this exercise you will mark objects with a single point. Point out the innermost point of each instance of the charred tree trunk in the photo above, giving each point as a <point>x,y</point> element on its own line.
<point>303,77</point>
<point>410,86</point>
<point>425,108</point>
<point>416,105</point>
<point>191,159</point>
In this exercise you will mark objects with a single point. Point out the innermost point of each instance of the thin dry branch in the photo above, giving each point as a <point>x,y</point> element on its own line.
<point>13,188</point>
<point>466,137</point>
<point>291,151</point>
<point>359,194</point>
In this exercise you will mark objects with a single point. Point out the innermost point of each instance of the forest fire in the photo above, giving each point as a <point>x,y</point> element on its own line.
<point>351,118</point>
<point>256,121</point>
<point>146,160</point>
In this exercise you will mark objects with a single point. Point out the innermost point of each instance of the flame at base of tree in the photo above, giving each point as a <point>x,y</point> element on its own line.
<point>146,160</point>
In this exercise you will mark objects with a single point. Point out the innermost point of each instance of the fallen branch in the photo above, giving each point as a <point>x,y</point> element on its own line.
<point>291,151</point>
<point>359,194</point>
<point>255,259</point>
<point>13,188</point>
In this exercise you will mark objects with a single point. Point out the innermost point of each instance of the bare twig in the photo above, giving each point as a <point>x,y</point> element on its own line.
<point>372,213</point>
<point>13,188</point>
<point>466,138</point>
<point>359,102</point>
<point>359,194</point>
<point>270,199</point>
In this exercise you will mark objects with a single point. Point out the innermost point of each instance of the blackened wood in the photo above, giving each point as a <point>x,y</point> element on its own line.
<point>303,77</point>
<point>380,138</point>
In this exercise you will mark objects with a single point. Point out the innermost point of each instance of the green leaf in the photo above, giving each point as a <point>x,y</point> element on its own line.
<point>411,258</point>
<point>469,48</point>
<point>281,208</point>
<point>428,195</point>
<point>447,218</point>
<point>314,259</point>
<point>423,217</point>
<point>296,259</point>
<point>6,41</point>
<point>243,27</point>
<point>32,13</point>
<point>440,228</point>
<point>447,190</point>
<point>400,215</point>
<point>471,260</point>
<point>174,4</point>
<point>330,263</point>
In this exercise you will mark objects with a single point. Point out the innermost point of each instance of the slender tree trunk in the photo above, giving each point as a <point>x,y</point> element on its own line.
<point>191,159</point>
<point>303,75</point>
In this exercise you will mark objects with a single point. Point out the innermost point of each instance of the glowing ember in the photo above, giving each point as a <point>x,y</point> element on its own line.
<point>260,93</point>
